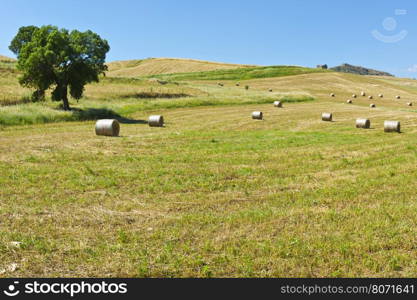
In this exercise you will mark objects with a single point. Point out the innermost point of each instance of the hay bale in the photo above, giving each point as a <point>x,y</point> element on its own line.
<point>397,97</point>
<point>246,87</point>
<point>363,94</point>
<point>332,95</point>
<point>156,121</point>
<point>363,123</point>
<point>257,115</point>
<point>354,96</point>
<point>277,103</point>
<point>327,117</point>
<point>220,84</point>
<point>270,90</point>
<point>392,126</point>
<point>381,96</point>
<point>372,105</point>
<point>410,103</point>
<point>370,97</point>
<point>238,84</point>
<point>107,127</point>
<point>349,101</point>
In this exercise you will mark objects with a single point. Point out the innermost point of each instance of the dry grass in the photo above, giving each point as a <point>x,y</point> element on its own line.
<point>215,193</point>
<point>153,66</point>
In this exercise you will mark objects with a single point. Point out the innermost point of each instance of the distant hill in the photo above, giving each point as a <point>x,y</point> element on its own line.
<point>154,66</point>
<point>346,68</point>
<point>6,59</point>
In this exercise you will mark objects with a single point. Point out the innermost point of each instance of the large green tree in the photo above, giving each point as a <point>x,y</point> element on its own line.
<point>66,61</point>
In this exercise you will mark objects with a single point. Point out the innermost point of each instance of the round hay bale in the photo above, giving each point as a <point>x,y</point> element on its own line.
<point>327,117</point>
<point>156,121</point>
<point>398,97</point>
<point>372,105</point>
<point>270,90</point>
<point>381,96</point>
<point>392,126</point>
<point>410,104</point>
<point>363,94</point>
<point>349,101</point>
<point>107,127</point>
<point>363,123</point>
<point>332,95</point>
<point>277,103</point>
<point>354,96</point>
<point>370,97</point>
<point>246,87</point>
<point>238,84</point>
<point>220,84</point>
<point>257,115</point>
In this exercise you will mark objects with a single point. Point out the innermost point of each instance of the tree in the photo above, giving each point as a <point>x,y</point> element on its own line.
<point>53,57</point>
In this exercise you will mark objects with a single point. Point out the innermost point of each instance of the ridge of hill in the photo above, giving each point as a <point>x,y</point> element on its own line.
<point>6,59</point>
<point>347,68</point>
<point>155,66</point>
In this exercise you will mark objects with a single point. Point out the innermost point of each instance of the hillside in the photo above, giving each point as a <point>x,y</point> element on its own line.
<point>242,73</point>
<point>346,68</point>
<point>6,59</point>
<point>153,66</point>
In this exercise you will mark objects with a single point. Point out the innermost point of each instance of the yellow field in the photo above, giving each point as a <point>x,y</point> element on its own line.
<point>137,68</point>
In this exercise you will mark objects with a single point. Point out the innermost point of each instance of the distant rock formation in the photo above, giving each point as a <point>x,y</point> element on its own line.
<point>346,68</point>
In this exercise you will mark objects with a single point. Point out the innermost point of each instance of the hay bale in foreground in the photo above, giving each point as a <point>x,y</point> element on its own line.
<point>398,97</point>
<point>410,103</point>
<point>392,126</point>
<point>327,117</point>
<point>257,115</point>
<point>156,121</point>
<point>363,123</point>
<point>107,127</point>
<point>372,105</point>
<point>277,103</point>
<point>363,94</point>
<point>381,96</point>
<point>349,101</point>
<point>332,95</point>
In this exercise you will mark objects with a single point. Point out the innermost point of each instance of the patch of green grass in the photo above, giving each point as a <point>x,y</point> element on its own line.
<point>47,112</point>
<point>240,74</point>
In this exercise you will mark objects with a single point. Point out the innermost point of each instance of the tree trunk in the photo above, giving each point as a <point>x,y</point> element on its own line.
<point>65,98</point>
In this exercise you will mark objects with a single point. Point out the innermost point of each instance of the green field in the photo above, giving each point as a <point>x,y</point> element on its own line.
<point>213,193</point>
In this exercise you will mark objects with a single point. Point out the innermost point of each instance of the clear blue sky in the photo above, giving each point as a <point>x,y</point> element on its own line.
<point>264,32</point>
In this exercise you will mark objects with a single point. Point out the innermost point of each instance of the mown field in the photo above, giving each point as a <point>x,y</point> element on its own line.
<point>213,193</point>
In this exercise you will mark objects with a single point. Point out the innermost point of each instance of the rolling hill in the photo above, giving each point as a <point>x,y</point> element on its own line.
<point>153,66</point>
<point>6,59</point>
<point>346,68</point>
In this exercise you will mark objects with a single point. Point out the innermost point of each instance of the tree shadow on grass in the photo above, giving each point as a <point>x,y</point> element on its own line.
<point>89,114</point>
<point>155,95</point>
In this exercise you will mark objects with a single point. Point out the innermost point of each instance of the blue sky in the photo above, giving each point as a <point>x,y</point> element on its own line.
<point>263,32</point>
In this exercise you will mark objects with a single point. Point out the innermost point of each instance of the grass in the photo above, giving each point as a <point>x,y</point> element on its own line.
<point>241,73</point>
<point>153,66</point>
<point>213,193</point>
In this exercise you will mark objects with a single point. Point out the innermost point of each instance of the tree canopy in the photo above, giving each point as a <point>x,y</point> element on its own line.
<point>57,58</point>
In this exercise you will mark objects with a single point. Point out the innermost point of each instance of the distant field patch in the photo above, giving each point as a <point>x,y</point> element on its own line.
<point>242,73</point>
